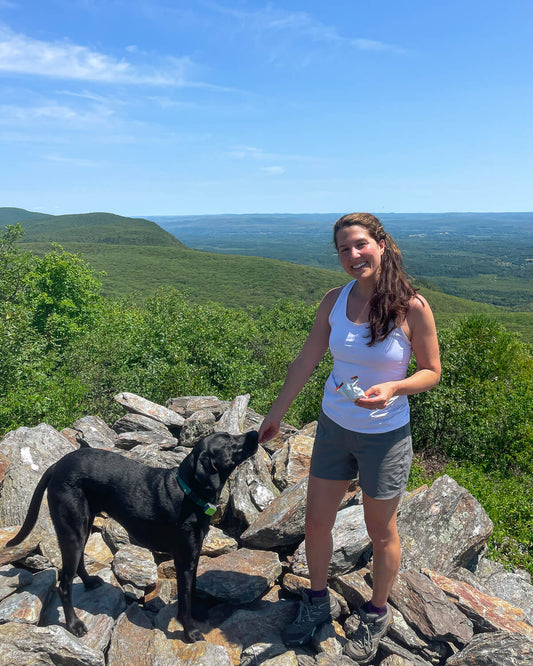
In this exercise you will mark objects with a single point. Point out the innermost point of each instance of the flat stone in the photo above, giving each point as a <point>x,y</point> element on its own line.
<point>136,641</point>
<point>28,645</point>
<point>238,577</point>
<point>495,649</point>
<point>487,613</point>
<point>94,432</point>
<point>27,604</point>
<point>425,606</point>
<point>136,404</point>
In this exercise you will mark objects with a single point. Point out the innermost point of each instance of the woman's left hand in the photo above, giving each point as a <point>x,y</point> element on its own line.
<point>377,396</point>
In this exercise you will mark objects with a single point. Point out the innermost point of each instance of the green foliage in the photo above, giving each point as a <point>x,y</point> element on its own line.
<point>14,265</point>
<point>482,409</point>
<point>508,500</point>
<point>64,292</point>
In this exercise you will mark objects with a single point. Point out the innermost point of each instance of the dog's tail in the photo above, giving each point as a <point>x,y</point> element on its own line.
<point>33,509</point>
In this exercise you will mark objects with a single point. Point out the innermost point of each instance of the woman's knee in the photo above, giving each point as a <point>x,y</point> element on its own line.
<point>382,533</point>
<point>318,524</point>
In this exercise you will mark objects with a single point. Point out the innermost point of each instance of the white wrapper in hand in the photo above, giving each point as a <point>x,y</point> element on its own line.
<point>350,390</point>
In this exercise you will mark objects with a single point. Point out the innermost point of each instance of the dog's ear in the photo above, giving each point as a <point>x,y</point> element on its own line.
<point>206,471</point>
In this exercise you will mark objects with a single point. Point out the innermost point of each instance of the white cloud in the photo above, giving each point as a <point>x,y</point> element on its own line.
<point>252,153</point>
<point>20,54</point>
<point>299,24</point>
<point>74,161</point>
<point>273,170</point>
<point>52,112</point>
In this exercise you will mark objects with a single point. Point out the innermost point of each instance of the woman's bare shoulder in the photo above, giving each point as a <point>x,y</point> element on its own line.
<point>418,303</point>
<point>327,303</point>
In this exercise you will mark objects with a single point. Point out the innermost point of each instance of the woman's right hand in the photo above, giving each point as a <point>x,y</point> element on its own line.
<point>268,429</point>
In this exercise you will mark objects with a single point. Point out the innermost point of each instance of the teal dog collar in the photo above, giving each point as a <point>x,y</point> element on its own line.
<point>208,508</point>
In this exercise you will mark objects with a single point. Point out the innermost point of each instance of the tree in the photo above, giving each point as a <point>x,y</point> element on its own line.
<point>64,292</point>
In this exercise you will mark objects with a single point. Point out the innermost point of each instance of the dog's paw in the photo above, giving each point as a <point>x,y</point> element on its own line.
<point>193,635</point>
<point>77,628</point>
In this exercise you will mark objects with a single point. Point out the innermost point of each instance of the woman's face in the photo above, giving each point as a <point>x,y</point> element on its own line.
<point>359,254</point>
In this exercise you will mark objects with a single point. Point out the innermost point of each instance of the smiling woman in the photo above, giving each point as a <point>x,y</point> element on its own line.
<point>371,326</point>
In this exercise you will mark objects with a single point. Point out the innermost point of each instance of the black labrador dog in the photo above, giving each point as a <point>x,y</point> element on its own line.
<point>166,510</point>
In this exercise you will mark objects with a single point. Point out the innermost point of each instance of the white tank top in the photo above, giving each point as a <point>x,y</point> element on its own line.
<point>384,361</point>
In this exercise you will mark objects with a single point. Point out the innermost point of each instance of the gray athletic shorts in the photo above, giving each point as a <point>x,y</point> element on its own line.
<point>382,460</point>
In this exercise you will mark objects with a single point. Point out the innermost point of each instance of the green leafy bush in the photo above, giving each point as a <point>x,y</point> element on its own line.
<point>482,409</point>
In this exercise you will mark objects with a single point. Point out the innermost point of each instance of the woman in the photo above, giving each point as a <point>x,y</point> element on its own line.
<point>372,326</point>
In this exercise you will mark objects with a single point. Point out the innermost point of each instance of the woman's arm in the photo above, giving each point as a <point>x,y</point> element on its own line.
<point>301,368</point>
<point>421,329</point>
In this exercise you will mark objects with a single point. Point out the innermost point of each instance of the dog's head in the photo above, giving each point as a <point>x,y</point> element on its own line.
<point>215,457</point>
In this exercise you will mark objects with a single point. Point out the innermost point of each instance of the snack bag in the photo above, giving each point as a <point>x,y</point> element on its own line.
<point>350,390</point>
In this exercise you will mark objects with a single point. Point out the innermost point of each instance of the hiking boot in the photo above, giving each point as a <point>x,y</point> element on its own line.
<point>363,645</point>
<point>311,614</point>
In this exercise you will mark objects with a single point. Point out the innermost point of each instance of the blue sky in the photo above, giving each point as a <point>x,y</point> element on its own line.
<point>154,107</point>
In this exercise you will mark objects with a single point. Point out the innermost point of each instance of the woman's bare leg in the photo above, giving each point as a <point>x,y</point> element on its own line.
<point>323,499</point>
<point>380,519</point>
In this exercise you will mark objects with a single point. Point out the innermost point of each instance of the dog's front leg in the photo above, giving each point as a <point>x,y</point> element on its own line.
<point>186,565</point>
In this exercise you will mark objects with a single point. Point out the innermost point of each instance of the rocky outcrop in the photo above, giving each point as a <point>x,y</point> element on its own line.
<point>452,606</point>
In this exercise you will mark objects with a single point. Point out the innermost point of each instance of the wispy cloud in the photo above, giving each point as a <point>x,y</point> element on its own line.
<point>273,170</point>
<point>73,161</point>
<point>252,153</point>
<point>299,24</point>
<point>21,54</point>
<point>52,112</point>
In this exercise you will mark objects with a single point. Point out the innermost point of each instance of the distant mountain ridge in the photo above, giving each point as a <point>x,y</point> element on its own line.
<point>14,215</point>
<point>104,228</point>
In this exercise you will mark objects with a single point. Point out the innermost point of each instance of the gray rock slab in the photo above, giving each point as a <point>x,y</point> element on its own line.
<point>28,645</point>
<point>138,405</point>
<point>152,456</point>
<point>11,578</point>
<point>135,565</point>
<point>238,577</point>
<point>94,432</point>
<point>232,420</point>
<point>282,522</point>
<point>27,603</point>
<point>487,613</point>
<point>15,553</point>
<point>425,606</point>
<point>442,527</point>
<point>163,441</point>
<point>218,543</point>
<point>98,608</point>
<point>187,405</point>
<point>136,641</point>
<point>251,489</point>
<point>137,422</point>
<point>495,649</point>
<point>291,462</point>
<point>197,425</point>
<point>28,452</point>
<point>514,589</point>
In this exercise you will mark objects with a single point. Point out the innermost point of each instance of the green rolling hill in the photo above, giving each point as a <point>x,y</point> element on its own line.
<point>95,228</point>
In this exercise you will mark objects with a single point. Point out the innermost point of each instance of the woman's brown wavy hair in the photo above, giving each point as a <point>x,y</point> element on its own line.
<point>390,301</point>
